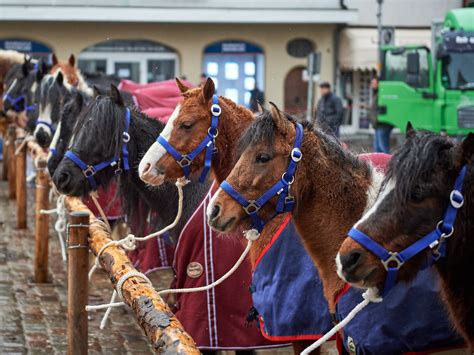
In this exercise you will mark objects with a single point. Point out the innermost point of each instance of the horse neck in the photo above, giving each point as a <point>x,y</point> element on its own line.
<point>332,192</point>
<point>456,268</point>
<point>233,120</point>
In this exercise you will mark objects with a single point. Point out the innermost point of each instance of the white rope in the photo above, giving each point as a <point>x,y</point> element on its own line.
<point>130,242</point>
<point>26,139</point>
<point>61,222</point>
<point>250,236</point>
<point>117,292</point>
<point>371,295</point>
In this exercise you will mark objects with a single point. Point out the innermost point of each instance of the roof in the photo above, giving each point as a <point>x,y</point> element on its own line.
<point>179,11</point>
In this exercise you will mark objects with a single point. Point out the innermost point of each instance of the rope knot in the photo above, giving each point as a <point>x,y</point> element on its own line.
<point>372,295</point>
<point>181,182</point>
<point>129,242</point>
<point>252,234</point>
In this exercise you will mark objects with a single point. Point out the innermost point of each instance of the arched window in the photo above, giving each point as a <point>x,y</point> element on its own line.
<point>236,67</point>
<point>142,61</point>
<point>33,48</point>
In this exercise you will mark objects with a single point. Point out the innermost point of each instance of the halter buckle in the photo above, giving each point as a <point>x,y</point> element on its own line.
<point>216,110</point>
<point>454,203</point>
<point>296,155</point>
<point>252,207</point>
<point>126,137</point>
<point>89,171</point>
<point>393,258</point>
<point>184,161</point>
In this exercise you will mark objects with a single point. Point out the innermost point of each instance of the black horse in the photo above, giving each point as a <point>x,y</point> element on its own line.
<point>97,137</point>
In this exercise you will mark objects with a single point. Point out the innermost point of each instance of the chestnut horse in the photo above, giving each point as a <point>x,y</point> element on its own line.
<point>186,130</point>
<point>414,199</point>
<point>332,188</point>
<point>71,73</point>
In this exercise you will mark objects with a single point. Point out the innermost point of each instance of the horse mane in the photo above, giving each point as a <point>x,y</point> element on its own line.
<point>414,162</point>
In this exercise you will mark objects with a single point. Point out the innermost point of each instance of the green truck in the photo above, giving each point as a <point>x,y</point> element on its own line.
<point>432,89</point>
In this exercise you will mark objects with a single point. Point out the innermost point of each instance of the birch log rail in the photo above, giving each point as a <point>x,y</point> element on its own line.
<point>161,326</point>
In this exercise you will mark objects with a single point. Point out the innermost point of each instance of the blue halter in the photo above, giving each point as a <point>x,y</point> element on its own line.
<point>14,101</point>
<point>90,170</point>
<point>281,188</point>
<point>39,121</point>
<point>435,240</point>
<point>208,143</point>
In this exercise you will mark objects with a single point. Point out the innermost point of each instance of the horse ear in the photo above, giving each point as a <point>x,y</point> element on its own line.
<point>208,90</point>
<point>280,121</point>
<point>466,149</point>
<point>42,70</point>
<point>55,59</point>
<point>60,78</point>
<point>95,91</point>
<point>25,69</point>
<point>115,95</point>
<point>260,108</point>
<point>410,131</point>
<point>72,60</point>
<point>183,88</point>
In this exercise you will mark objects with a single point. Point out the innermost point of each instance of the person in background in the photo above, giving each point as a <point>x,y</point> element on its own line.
<point>256,97</point>
<point>329,110</point>
<point>382,130</point>
<point>202,79</point>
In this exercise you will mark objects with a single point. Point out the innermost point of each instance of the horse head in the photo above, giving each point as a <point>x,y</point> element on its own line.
<point>263,152</point>
<point>185,130</point>
<point>413,199</point>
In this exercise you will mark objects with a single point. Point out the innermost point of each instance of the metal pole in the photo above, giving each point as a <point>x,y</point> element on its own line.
<point>309,102</point>
<point>41,223</point>
<point>78,283</point>
<point>20,167</point>
<point>379,30</point>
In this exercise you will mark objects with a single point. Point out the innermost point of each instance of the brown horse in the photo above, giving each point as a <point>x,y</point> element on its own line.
<point>331,186</point>
<point>71,73</point>
<point>7,60</point>
<point>415,196</point>
<point>185,130</point>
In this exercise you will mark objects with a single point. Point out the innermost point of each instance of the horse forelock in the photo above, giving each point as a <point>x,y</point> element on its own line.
<point>415,162</point>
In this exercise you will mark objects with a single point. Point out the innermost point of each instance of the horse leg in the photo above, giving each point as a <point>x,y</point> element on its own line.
<point>299,346</point>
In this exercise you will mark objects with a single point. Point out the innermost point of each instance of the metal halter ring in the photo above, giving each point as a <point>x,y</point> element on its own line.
<point>296,158</point>
<point>89,171</point>
<point>211,134</point>
<point>444,235</point>
<point>252,207</point>
<point>216,110</point>
<point>126,137</point>
<point>392,258</point>
<point>455,203</point>
<point>184,161</point>
<point>288,182</point>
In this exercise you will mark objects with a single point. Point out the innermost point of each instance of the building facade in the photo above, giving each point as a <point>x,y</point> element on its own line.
<point>241,45</point>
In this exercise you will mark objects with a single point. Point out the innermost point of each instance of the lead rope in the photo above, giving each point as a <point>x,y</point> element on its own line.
<point>61,222</point>
<point>371,295</point>
<point>129,243</point>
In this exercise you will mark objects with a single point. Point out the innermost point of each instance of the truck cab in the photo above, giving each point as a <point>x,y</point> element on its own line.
<point>435,91</point>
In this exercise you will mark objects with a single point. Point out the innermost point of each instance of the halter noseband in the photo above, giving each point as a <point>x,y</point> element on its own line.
<point>41,122</point>
<point>435,240</point>
<point>208,143</point>
<point>281,188</point>
<point>14,101</point>
<point>90,170</point>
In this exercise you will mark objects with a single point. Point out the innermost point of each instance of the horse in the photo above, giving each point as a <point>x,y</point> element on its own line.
<point>71,73</point>
<point>185,131</point>
<point>330,188</point>
<point>8,59</point>
<point>416,193</point>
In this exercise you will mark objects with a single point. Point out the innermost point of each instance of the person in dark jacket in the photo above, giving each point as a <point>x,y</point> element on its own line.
<point>382,130</point>
<point>329,110</point>
<point>256,97</point>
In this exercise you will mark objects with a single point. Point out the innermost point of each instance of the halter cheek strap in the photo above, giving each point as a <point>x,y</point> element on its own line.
<point>281,188</point>
<point>393,261</point>
<point>208,143</point>
<point>90,170</point>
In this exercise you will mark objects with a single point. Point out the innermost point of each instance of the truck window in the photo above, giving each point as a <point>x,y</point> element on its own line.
<point>395,67</point>
<point>458,70</point>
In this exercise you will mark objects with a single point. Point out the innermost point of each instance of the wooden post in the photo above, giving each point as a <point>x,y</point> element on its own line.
<point>5,157</point>
<point>78,283</point>
<point>11,134</point>
<point>41,222</point>
<point>20,185</point>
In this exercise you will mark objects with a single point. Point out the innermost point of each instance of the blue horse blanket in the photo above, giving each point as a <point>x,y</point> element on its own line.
<point>288,295</point>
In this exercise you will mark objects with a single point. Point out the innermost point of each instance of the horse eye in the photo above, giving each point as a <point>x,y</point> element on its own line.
<point>416,195</point>
<point>186,125</point>
<point>263,158</point>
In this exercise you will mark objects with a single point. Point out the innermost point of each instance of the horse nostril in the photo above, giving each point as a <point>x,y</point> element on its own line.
<point>147,169</point>
<point>351,260</point>
<point>215,212</point>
